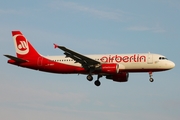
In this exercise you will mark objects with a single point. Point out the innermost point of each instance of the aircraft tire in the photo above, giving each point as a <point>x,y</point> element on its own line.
<point>151,80</point>
<point>89,77</point>
<point>97,83</point>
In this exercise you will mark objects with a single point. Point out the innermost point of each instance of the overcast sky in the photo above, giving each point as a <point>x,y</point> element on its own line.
<point>90,27</point>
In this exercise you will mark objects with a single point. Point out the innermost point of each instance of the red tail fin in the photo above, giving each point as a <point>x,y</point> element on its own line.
<point>23,47</point>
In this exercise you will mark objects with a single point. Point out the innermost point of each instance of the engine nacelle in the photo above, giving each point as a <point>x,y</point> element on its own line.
<point>112,68</point>
<point>121,77</point>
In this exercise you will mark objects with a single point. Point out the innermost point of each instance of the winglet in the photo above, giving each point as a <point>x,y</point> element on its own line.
<point>55,46</point>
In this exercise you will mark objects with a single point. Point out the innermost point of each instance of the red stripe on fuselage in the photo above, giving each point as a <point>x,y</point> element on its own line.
<point>47,65</point>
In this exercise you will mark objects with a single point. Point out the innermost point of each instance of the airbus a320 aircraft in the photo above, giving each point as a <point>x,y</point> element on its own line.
<point>115,67</point>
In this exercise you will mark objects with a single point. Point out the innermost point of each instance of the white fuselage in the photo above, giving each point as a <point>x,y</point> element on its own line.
<point>127,62</point>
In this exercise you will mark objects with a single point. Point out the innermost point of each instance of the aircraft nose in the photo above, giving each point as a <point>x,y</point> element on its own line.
<point>172,64</point>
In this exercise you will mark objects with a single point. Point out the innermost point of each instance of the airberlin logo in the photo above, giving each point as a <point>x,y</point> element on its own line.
<point>21,44</point>
<point>125,59</point>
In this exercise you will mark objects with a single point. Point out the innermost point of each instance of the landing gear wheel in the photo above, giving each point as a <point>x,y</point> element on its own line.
<point>89,77</point>
<point>151,80</point>
<point>150,75</point>
<point>97,83</point>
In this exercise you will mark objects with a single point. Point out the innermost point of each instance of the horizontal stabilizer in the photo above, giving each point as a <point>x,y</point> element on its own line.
<point>15,58</point>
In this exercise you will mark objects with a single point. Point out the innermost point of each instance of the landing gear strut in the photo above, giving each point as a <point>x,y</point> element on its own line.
<point>90,77</point>
<point>97,82</point>
<point>151,79</point>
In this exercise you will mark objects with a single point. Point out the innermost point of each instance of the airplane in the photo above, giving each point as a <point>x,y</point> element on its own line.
<point>115,67</point>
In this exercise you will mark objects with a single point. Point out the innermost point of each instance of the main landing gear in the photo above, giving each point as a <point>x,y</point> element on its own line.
<point>89,77</point>
<point>97,82</point>
<point>150,75</point>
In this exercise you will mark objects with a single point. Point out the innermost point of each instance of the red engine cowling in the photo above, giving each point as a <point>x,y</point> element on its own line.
<point>121,77</point>
<point>112,68</point>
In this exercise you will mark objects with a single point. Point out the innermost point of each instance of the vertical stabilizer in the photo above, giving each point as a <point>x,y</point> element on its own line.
<point>23,47</point>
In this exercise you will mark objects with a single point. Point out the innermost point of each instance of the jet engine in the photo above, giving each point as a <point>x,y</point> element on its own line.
<point>121,77</point>
<point>112,68</point>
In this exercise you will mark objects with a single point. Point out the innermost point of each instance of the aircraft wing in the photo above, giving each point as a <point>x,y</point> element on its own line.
<point>83,60</point>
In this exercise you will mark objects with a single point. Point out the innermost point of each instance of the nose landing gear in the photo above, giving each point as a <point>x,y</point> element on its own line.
<point>150,75</point>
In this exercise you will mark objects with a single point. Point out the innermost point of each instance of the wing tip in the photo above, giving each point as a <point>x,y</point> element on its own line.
<point>55,46</point>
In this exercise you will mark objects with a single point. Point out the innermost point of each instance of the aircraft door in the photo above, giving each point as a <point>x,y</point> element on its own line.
<point>150,58</point>
<point>40,61</point>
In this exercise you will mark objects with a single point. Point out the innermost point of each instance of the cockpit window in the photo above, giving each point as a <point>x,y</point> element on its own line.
<point>162,58</point>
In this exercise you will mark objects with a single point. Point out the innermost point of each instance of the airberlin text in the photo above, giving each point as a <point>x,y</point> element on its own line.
<point>125,59</point>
